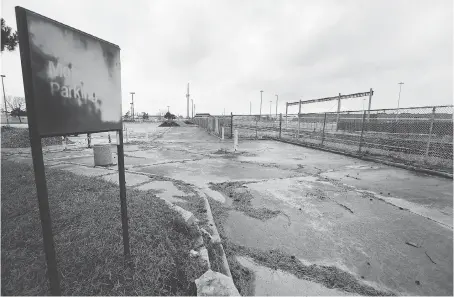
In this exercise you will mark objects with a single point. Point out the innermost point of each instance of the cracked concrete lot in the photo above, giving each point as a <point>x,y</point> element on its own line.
<point>324,208</point>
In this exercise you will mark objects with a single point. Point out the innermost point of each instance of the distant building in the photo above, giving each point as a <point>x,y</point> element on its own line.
<point>202,115</point>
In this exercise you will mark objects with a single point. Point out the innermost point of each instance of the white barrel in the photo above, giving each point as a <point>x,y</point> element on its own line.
<point>103,155</point>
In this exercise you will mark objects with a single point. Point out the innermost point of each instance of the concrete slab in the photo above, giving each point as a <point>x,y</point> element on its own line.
<point>312,161</point>
<point>87,161</point>
<point>270,282</point>
<point>131,178</point>
<point>60,165</point>
<point>419,189</point>
<point>165,190</point>
<point>83,170</point>
<point>317,227</point>
<point>214,170</point>
<point>163,155</point>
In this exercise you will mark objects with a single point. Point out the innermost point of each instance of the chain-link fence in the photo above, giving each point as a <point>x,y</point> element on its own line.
<point>215,125</point>
<point>421,136</point>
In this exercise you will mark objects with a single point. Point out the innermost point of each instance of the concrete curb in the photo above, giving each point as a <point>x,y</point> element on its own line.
<point>366,158</point>
<point>215,239</point>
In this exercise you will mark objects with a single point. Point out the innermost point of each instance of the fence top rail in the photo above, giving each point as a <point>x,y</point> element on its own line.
<point>395,109</point>
<point>355,95</point>
<point>334,112</point>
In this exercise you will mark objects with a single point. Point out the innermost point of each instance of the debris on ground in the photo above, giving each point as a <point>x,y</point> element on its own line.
<point>169,124</point>
<point>412,244</point>
<point>342,205</point>
<point>242,200</point>
<point>430,258</point>
<point>19,137</point>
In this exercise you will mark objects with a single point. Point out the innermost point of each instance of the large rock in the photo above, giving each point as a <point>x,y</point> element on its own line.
<point>215,284</point>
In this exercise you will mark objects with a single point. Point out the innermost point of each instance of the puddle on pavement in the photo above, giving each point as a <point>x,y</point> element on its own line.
<point>269,282</point>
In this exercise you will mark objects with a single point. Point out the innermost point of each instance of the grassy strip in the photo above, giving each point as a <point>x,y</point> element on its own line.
<point>86,224</point>
<point>19,137</point>
<point>243,278</point>
<point>242,200</point>
<point>329,276</point>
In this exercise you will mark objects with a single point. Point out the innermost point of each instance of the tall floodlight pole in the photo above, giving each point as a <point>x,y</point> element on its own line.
<point>4,97</point>
<point>400,90</point>
<point>277,101</point>
<point>187,97</point>
<point>132,105</point>
<point>398,100</point>
<point>261,92</point>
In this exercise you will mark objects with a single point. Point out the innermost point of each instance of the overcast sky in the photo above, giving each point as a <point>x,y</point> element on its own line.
<point>230,50</point>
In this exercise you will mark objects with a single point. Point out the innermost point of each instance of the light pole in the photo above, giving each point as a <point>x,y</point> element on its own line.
<point>398,99</point>
<point>132,105</point>
<point>261,92</point>
<point>277,101</point>
<point>4,97</point>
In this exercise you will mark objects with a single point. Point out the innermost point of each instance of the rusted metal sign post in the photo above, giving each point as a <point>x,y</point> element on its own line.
<point>72,85</point>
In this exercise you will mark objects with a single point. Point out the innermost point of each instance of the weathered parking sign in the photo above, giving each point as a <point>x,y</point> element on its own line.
<point>76,79</point>
<point>72,85</point>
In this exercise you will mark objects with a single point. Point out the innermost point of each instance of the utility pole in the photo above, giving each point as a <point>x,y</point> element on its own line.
<point>4,97</point>
<point>187,97</point>
<point>398,100</point>
<point>277,101</point>
<point>132,105</point>
<point>261,92</point>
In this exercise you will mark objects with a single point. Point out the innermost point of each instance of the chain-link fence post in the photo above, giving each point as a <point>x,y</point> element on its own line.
<point>231,125</point>
<point>89,140</point>
<point>430,132</point>
<point>323,131</point>
<point>362,132</point>
<point>338,112</point>
<point>280,125</point>
<point>299,120</point>
<point>256,123</point>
